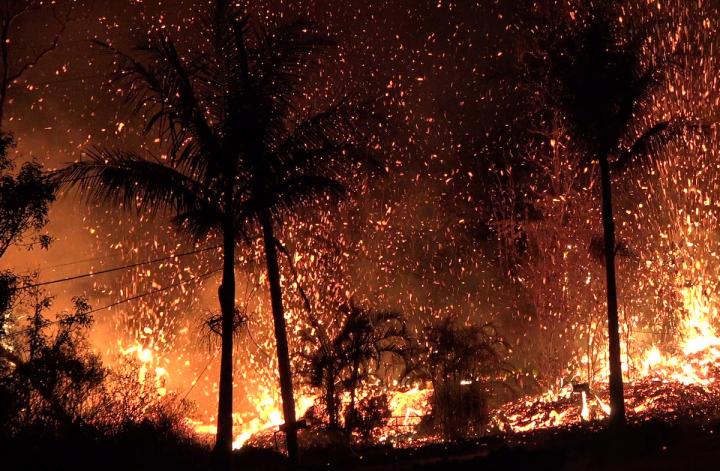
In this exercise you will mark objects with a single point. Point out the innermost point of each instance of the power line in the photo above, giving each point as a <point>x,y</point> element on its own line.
<point>76,262</point>
<point>155,291</point>
<point>109,270</point>
<point>131,298</point>
<point>89,259</point>
<point>194,383</point>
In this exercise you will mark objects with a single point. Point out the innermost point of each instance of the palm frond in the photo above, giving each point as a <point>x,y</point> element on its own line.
<point>656,137</point>
<point>284,59</point>
<point>306,190</point>
<point>163,90</point>
<point>242,113</point>
<point>331,142</point>
<point>126,179</point>
<point>200,222</point>
<point>642,146</point>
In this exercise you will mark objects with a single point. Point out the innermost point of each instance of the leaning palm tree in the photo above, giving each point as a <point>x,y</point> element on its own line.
<point>253,136</point>
<point>601,81</point>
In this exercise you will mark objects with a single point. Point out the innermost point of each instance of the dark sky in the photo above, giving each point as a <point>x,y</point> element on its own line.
<point>436,54</point>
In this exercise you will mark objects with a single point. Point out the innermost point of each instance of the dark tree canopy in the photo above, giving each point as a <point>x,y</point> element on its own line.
<point>355,355</point>
<point>25,198</point>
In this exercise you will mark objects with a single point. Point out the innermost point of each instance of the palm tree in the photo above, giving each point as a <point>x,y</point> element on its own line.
<point>597,78</point>
<point>252,138</point>
<point>354,354</point>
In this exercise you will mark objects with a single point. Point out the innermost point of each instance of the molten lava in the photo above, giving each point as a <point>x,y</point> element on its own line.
<point>683,381</point>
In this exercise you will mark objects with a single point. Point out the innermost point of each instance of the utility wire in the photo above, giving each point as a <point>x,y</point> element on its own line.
<point>76,262</point>
<point>89,259</point>
<point>110,270</point>
<point>202,373</point>
<point>131,298</point>
<point>158,290</point>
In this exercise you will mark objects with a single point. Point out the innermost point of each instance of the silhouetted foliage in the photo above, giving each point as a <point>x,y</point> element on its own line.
<point>25,198</point>
<point>56,398</point>
<point>465,365</point>
<point>46,377</point>
<point>370,414</point>
<point>51,381</point>
<point>354,356</point>
<point>58,403</point>
<point>595,70</point>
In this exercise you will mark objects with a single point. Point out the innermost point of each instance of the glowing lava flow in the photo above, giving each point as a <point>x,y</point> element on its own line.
<point>409,405</point>
<point>406,410</point>
<point>146,359</point>
<point>268,418</point>
<point>682,381</point>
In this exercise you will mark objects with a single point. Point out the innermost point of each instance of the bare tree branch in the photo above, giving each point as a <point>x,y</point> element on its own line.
<point>10,13</point>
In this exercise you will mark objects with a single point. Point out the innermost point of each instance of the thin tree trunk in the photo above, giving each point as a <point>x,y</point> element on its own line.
<point>617,402</point>
<point>226,294</point>
<point>330,398</point>
<point>350,422</point>
<point>3,95</point>
<point>286,386</point>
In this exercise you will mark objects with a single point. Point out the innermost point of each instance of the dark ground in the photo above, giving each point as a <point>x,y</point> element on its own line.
<point>649,446</point>
<point>646,446</point>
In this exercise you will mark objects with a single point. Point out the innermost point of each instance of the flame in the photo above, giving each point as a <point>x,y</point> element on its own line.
<point>267,416</point>
<point>653,389</point>
<point>149,367</point>
<point>698,332</point>
<point>585,414</point>
<point>407,408</point>
<point>409,405</point>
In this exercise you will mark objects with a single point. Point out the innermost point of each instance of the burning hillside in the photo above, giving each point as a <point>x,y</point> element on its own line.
<point>682,383</point>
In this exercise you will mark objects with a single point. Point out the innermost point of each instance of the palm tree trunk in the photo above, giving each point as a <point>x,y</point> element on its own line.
<point>226,294</point>
<point>350,422</point>
<point>617,402</point>
<point>330,398</point>
<point>286,386</point>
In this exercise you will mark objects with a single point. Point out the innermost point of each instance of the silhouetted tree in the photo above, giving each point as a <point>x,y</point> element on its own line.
<point>58,402</point>
<point>253,137</point>
<point>598,75</point>
<point>465,364</point>
<point>365,339</point>
<point>25,198</point>
<point>45,378</point>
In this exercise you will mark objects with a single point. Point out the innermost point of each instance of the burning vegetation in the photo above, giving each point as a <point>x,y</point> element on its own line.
<point>293,251</point>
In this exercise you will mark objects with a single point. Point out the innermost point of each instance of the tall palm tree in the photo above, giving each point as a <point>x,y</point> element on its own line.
<point>598,79</point>
<point>252,138</point>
